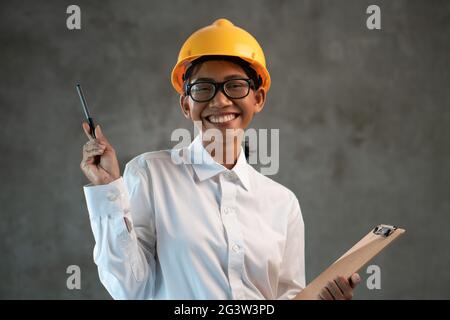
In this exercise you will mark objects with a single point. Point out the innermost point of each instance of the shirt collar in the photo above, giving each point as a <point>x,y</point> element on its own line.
<point>206,167</point>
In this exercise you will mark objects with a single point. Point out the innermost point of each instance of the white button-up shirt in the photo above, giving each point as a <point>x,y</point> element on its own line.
<point>174,227</point>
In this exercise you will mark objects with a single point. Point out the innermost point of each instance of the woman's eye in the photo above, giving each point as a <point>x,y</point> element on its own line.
<point>201,88</point>
<point>236,85</point>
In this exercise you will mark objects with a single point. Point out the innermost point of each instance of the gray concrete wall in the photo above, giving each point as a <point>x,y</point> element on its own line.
<point>363,118</point>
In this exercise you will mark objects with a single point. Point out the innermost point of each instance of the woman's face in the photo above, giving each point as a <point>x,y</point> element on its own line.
<point>221,112</point>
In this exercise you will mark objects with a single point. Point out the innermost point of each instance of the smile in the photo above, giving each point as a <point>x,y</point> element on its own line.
<point>222,118</point>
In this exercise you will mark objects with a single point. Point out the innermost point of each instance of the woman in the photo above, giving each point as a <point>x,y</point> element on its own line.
<point>200,222</point>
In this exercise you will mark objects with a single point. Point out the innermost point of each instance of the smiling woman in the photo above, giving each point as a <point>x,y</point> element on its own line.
<point>219,84</point>
<point>222,98</point>
<point>209,229</point>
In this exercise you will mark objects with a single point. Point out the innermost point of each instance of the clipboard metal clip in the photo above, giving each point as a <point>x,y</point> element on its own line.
<point>384,230</point>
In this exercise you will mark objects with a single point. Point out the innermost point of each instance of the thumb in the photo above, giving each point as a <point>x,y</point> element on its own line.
<point>354,280</point>
<point>99,135</point>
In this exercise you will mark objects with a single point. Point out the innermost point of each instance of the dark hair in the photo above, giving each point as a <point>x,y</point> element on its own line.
<point>249,71</point>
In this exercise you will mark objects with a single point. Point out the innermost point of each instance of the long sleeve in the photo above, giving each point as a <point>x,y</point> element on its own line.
<point>292,273</point>
<point>125,256</point>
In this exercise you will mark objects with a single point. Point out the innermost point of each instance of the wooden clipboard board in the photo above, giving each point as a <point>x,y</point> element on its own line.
<point>353,260</point>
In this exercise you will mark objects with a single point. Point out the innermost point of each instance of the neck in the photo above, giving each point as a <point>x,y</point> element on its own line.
<point>225,153</point>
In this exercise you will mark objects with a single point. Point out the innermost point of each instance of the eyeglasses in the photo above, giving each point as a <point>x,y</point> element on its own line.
<point>203,91</point>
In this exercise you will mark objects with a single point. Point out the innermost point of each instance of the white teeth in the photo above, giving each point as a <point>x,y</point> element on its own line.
<point>222,119</point>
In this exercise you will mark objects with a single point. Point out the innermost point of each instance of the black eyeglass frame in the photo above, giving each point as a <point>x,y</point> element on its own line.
<point>219,86</point>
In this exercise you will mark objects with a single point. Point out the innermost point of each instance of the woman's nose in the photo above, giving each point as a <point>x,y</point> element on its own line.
<point>220,100</point>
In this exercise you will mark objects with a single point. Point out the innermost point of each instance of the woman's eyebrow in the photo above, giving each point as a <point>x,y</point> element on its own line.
<point>233,76</point>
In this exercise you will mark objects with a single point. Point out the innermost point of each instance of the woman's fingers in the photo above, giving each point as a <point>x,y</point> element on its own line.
<point>91,149</point>
<point>94,152</point>
<point>335,291</point>
<point>325,294</point>
<point>344,286</point>
<point>93,145</point>
<point>87,130</point>
<point>340,288</point>
<point>354,280</point>
<point>99,162</point>
<point>100,136</point>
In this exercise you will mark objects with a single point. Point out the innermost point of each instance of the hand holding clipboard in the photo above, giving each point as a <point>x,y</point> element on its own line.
<point>353,260</point>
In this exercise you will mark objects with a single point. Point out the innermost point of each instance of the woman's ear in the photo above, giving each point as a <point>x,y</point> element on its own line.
<point>260,99</point>
<point>185,107</point>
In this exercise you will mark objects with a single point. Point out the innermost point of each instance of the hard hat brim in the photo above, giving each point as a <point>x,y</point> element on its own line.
<point>181,67</point>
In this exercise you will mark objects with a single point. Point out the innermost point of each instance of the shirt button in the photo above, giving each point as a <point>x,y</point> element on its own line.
<point>112,195</point>
<point>236,248</point>
<point>229,175</point>
<point>227,210</point>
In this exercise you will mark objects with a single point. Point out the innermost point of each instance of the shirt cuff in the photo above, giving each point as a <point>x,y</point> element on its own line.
<point>107,200</point>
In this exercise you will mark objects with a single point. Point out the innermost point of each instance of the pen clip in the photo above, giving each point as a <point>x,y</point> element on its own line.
<point>384,230</point>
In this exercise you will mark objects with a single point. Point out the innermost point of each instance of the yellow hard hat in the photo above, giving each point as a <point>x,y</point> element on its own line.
<point>225,39</point>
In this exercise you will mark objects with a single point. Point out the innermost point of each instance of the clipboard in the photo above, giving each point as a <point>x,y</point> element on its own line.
<point>353,260</point>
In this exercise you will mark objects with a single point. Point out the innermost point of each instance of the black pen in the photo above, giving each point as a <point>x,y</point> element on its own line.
<point>86,110</point>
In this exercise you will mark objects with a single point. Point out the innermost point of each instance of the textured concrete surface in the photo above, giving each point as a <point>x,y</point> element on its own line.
<point>363,117</point>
